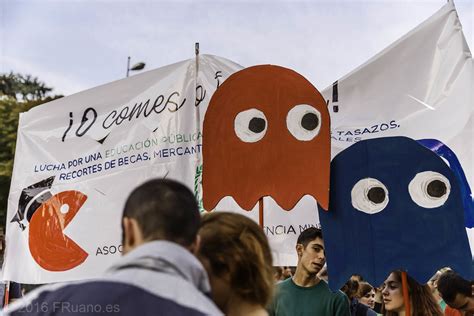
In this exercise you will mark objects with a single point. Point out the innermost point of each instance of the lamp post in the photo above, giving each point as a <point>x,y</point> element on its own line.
<point>137,66</point>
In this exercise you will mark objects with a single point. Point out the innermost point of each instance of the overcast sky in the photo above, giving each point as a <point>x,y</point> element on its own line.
<point>76,45</point>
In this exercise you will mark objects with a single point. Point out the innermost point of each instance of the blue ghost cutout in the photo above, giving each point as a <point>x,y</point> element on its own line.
<point>466,193</point>
<point>394,204</point>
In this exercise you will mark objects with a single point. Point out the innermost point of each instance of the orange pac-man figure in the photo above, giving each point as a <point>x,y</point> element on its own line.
<point>266,133</point>
<point>49,246</point>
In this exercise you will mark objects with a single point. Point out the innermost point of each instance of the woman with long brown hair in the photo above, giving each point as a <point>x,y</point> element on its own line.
<point>422,302</point>
<point>236,254</point>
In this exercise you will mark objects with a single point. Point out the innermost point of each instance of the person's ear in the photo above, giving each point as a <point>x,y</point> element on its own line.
<point>299,250</point>
<point>128,238</point>
<point>132,234</point>
<point>195,246</point>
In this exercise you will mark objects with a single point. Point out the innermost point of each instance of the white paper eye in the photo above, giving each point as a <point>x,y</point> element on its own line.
<point>429,189</point>
<point>304,122</point>
<point>369,195</point>
<point>250,125</point>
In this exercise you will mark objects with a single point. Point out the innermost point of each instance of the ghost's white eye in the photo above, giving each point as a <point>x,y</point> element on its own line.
<point>369,195</point>
<point>250,125</point>
<point>303,122</point>
<point>429,189</point>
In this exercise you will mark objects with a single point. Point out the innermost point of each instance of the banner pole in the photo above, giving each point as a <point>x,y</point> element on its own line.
<point>198,115</point>
<point>406,297</point>
<point>260,212</point>
<point>198,175</point>
<point>7,294</point>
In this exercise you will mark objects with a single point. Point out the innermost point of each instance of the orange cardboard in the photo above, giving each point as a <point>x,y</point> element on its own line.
<point>266,133</point>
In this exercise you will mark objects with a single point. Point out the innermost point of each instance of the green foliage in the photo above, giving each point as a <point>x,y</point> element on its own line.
<point>22,87</point>
<point>18,94</point>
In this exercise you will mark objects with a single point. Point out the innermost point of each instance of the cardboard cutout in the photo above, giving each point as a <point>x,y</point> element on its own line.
<point>51,248</point>
<point>467,198</point>
<point>394,205</point>
<point>266,133</point>
<point>46,216</point>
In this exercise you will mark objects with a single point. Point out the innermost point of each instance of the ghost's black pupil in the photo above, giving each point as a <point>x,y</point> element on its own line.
<point>437,188</point>
<point>376,195</point>
<point>257,125</point>
<point>309,121</point>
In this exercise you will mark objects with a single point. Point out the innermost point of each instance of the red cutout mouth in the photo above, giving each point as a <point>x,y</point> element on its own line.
<point>49,246</point>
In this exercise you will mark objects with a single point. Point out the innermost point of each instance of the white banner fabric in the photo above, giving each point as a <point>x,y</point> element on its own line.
<point>105,141</point>
<point>421,87</point>
<point>98,145</point>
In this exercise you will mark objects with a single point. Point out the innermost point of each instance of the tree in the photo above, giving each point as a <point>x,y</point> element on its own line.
<point>23,87</point>
<point>18,93</point>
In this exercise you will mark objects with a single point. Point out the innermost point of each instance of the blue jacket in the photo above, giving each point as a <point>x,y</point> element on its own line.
<point>157,278</point>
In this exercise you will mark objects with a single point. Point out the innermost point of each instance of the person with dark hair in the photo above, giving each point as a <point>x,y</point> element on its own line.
<point>236,254</point>
<point>286,273</point>
<point>158,274</point>
<point>351,288</point>
<point>422,303</point>
<point>457,292</point>
<point>366,294</point>
<point>433,285</point>
<point>305,293</point>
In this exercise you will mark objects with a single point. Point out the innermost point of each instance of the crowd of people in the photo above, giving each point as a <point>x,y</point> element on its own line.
<point>177,262</point>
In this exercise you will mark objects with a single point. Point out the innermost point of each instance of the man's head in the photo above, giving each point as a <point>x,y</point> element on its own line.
<point>286,272</point>
<point>310,250</point>
<point>456,291</point>
<point>160,209</point>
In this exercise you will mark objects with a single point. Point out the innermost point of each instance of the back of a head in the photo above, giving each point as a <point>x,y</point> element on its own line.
<point>236,247</point>
<point>165,210</point>
<point>350,288</point>
<point>450,284</point>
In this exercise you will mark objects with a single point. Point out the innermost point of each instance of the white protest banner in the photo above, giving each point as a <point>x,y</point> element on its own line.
<point>421,87</point>
<point>77,159</point>
<point>94,147</point>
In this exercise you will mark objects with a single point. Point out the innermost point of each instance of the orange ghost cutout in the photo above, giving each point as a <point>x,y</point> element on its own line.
<point>266,133</point>
<point>49,246</point>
